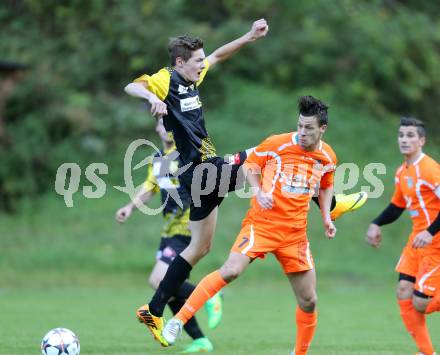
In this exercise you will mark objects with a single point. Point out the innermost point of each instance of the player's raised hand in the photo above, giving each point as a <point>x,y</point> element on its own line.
<point>422,239</point>
<point>259,29</point>
<point>264,199</point>
<point>330,229</point>
<point>123,213</point>
<point>374,235</point>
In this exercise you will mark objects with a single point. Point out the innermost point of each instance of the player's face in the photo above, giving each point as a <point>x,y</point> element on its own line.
<point>192,68</point>
<point>410,142</point>
<point>163,134</point>
<point>309,132</point>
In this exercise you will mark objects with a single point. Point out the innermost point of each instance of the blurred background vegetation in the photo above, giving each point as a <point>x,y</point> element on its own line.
<point>380,58</point>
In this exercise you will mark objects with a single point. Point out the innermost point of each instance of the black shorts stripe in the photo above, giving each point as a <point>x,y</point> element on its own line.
<point>406,277</point>
<point>420,294</point>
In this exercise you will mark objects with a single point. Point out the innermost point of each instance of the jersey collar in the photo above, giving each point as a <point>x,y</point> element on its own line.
<point>417,161</point>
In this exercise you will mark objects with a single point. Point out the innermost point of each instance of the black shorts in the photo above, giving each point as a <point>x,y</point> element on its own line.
<point>210,181</point>
<point>170,247</point>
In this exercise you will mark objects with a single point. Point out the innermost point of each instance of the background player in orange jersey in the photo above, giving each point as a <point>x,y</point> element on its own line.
<point>285,170</point>
<point>418,190</point>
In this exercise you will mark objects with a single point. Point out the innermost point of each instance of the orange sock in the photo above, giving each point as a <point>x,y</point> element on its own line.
<point>206,288</point>
<point>415,323</point>
<point>433,305</point>
<point>305,329</point>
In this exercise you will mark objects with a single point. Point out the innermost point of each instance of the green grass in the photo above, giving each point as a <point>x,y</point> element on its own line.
<point>78,268</point>
<point>354,318</point>
<point>84,272</point>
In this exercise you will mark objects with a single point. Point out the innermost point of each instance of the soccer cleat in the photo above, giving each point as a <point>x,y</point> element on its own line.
<point>214,308</point>
<point>348,203</point>
<point>419,353</point>
<point>200,345</point>
<point>172,330</point>
<point>153,323</point>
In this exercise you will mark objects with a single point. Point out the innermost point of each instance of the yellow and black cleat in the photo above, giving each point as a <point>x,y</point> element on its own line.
<point>153,323</point>
<point>348,203</point>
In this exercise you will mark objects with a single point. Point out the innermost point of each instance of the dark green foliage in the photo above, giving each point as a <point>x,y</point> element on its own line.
<point>380,56</point>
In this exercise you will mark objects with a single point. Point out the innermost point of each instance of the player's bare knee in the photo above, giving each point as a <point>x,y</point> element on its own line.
<point>419,304</point>
<point>403,291</point>
<point>230,271</point>
<point>308,302</point>
<point>194,252</point>
<point>205,249</point>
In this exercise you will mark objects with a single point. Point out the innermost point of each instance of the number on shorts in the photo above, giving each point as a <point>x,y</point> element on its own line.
<point>245,240</point>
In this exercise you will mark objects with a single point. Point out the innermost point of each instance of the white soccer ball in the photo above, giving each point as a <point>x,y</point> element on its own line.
<point>60,341</point>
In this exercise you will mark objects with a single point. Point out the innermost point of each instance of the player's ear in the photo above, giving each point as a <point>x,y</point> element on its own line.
<point>422,141</point>
<point>323,128</point>
<point>179,62</point>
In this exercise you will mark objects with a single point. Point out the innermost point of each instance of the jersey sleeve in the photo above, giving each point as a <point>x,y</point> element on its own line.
<point>260,155</point>
<point>328,178</point>
<point>150,183</point>
<point>158,84</point>
<point>433,177</point>
<point>398,198</point>
<point>203,73</point>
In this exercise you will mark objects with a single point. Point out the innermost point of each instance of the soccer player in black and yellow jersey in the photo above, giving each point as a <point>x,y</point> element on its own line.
<point>175,235</point>
<point>173,94</point>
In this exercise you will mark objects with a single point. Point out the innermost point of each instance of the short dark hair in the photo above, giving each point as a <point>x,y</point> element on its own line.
<point>412,121</point>
<point>183,46</point>
<point>310,106</point>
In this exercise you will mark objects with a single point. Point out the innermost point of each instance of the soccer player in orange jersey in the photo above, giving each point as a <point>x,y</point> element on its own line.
<point>417,188</point>
<point>285,170</point>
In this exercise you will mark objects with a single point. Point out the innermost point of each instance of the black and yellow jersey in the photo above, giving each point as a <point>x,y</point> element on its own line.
<point>160,178</point>
<point>185,116</point>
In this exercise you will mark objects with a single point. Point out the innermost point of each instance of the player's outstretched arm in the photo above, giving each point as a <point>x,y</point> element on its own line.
<point>141,198</point>
<point>259,30</point>
<point>325,201</point>
<point>158,108</point>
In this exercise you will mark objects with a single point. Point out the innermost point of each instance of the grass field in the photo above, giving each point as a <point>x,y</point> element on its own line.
<point>77,268</point>
<point>93,285</point>
<point>354,318</point>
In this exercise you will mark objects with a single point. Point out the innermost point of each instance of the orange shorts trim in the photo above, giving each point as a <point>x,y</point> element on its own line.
<point>291,249</point>
<point>428,276</point>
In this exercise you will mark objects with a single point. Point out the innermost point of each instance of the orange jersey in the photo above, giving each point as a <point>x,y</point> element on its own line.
<point>292,175</point>
<point>418,190</point>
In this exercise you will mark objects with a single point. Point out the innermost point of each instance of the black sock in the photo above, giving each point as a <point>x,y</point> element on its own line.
<point>175,276</point>
<point>185,290</point>
<point>191,327</point>
<point>332,206</point>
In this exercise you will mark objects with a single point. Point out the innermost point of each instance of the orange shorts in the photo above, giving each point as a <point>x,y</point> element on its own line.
<point>424,265</point>
<point>291,248</point>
